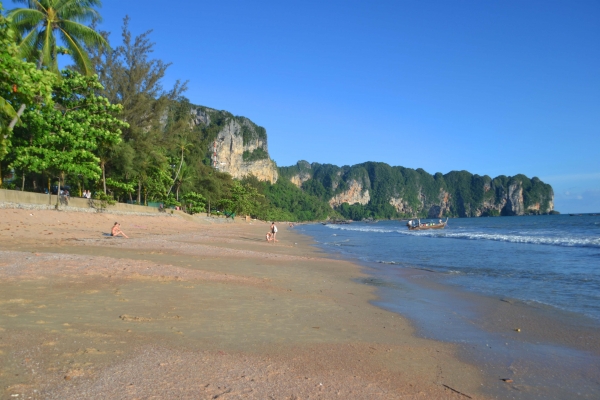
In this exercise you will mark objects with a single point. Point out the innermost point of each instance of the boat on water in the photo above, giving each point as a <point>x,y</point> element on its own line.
<point>418,226</point>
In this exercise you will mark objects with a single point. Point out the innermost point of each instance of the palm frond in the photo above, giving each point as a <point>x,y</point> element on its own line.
<point>31,3</point>
<point>38,25</point>
<point>77,52</point>
<point>79,10</point>
<point>28,48</point>
<point>83,33</point>
<point>24,19</point>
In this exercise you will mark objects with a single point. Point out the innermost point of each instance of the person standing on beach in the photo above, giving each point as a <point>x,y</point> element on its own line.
<point>274,232</point>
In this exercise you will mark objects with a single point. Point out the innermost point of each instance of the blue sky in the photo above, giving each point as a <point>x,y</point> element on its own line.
<point>485,86</point>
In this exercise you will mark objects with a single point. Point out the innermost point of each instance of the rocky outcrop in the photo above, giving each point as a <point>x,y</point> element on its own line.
<point>299,179</point>
<point>442,208</point>
<point>200,116</point>
<point>297,174</point>
<point>240,147</point>
<point>514,200</point>
<point>354,194</point>
<point>536,208</point>
<point>401,206</point>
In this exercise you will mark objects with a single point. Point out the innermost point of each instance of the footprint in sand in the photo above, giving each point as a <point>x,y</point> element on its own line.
<point>93,351</point>
<point>19,301</point>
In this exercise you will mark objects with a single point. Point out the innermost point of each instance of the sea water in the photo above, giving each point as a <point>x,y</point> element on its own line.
<point>435,278</point>
<point>552,260</point>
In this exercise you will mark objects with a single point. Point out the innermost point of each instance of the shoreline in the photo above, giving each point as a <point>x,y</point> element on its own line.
<point>555,353</point>
<point>190,309</point>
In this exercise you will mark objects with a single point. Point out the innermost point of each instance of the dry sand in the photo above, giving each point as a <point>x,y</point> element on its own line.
<point>191,309</point>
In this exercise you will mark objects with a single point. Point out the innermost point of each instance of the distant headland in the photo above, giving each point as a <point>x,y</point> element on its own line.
<point>371,189</point>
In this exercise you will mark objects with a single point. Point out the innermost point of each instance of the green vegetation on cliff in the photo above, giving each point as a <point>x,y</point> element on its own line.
<point>404,192</point>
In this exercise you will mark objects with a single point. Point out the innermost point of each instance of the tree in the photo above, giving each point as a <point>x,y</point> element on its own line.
<point>44,20</point>
<point>245,198</point>
<point>63,139</point>
<point>130,77</point>
<point>194,202</point>
<point>183,178</point>
<point>21,85</point>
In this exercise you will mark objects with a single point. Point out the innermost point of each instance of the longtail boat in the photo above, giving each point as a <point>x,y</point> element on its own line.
<point>421,227</point>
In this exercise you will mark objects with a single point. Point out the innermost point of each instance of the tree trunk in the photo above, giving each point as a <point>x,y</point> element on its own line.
<point>178,171</point>
<point>16,118</point>
<point>49,191</point>
<point>139,199</point>
<point>177,192</point>
<point>23,183</point>
<point>103,165</point>
<point>58,194</point>
<point>0,174</point>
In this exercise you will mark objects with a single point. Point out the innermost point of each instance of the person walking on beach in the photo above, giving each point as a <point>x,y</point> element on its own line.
<point>274,232</point>
<point>116,230</point>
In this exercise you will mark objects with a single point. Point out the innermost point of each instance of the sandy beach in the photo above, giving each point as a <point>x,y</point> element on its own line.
<point>192,308</point>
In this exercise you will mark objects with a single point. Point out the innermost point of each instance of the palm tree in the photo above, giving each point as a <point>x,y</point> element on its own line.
<point>184,146</point>
<point>44,20</point>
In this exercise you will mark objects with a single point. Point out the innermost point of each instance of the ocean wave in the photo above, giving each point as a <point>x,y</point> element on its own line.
<point>360,228</point>
<point>522,237</point>
<point>512,238</point>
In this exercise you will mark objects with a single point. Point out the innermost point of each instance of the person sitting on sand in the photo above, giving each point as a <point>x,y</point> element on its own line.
<point>269,236</point>
<point>116,230</point>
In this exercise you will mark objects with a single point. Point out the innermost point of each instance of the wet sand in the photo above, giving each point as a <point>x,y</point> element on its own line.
<point>189,308</point>
<point>546,353</point>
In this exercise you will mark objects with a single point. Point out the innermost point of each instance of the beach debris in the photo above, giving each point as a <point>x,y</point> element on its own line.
<point>456,391</point>
<point>126,317</point>
<point>507,380</point>
<point>315,327</point>
<point>517,329</point>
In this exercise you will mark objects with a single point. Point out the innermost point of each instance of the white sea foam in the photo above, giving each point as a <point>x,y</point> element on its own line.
<point>522,237</point>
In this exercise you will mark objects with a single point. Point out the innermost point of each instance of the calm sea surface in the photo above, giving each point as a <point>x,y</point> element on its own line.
<point>552,260</point>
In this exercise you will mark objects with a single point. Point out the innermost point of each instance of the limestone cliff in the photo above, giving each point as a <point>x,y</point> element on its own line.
<point>354,194</point>
<point>236,145</point>
<point>302,174</point>
<point>389,192</point>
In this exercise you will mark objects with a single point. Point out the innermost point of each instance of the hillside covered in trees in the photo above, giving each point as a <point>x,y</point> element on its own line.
<point>377,190</point>
<point>107,124</point>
